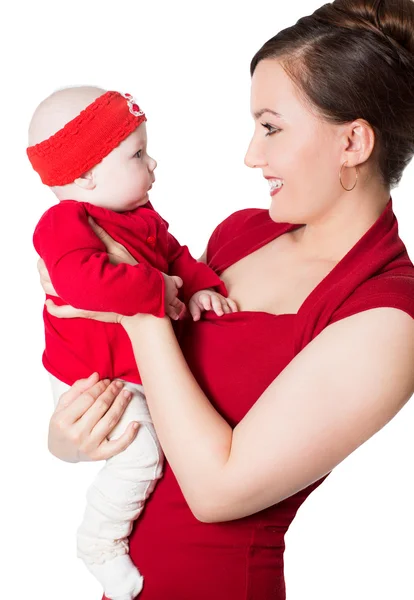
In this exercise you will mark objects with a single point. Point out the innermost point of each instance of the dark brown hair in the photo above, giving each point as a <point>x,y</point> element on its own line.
<point>355,59</point>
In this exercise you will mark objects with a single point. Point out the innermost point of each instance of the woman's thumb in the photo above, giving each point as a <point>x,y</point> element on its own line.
<point>101,233</point>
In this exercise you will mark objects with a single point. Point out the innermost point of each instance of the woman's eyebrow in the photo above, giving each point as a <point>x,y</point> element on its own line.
<point>260,112</point>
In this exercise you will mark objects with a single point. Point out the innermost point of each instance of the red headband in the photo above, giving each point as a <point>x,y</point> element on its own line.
<point>87,139</point>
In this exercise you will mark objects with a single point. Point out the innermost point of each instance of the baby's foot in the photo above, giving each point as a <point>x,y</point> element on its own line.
<point>119,578</point>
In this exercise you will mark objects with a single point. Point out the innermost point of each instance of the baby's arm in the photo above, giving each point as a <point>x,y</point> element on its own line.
<point>196,275</point>
<point>81,272</point>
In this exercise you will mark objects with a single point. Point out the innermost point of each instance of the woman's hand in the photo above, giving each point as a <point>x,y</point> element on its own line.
<point>84,417</point>
<point>45,279</point>
<point>117,253</point>
<point>174,310</point>
<point>67,311</point>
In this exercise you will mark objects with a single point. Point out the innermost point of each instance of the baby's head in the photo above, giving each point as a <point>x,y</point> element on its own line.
<point>90,145</point>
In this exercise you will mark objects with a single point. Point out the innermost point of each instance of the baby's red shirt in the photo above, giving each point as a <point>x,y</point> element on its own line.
<point>82,276</point>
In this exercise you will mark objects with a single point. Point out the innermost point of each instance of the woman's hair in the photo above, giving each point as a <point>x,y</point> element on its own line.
<point>355,59</point>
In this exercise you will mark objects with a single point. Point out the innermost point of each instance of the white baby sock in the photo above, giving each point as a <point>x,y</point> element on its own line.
<point>119,577</point>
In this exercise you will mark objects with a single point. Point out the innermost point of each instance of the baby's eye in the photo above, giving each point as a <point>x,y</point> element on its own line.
<point>138,154</point>
<point>270,128</point>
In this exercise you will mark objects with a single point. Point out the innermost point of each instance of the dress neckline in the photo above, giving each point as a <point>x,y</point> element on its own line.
<point>231,316</point>
<point>342,267</point>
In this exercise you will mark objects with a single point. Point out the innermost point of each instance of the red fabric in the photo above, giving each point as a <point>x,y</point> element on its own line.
<point>82,275</point>
<point>234,358</point>
<point>85,140</point>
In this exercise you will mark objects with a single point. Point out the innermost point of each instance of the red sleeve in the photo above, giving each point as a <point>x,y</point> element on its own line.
<point>80,270</point>
<point>228,230</point>
<point>388,290</point>
<point>195,275</point>
<point>240,234</point>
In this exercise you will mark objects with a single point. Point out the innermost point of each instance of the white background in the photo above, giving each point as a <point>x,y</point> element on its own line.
<point>188,65</point>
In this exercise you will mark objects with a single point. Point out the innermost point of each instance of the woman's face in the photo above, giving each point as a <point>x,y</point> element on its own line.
<point>293,146</point>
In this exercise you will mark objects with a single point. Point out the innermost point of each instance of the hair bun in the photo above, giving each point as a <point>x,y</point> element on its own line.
<point>392,18</point>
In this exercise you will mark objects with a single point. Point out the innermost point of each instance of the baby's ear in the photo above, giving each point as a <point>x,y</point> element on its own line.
<point>86,181</point>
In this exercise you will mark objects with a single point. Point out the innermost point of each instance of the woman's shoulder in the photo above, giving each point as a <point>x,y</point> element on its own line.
<point>236,223</point>
<point>393,289</point>
<point>240,233</point>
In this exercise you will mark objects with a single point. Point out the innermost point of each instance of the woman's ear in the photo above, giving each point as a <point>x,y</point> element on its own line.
<point>359,142</point>
<point>86,181</point>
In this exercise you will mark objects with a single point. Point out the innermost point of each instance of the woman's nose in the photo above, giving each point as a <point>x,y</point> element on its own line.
<point>254,156</point>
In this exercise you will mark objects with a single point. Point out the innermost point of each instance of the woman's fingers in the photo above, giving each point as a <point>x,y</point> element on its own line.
<point>171,312</point>
<point>102,401</point>
<point>100,233</point>
<point>109,420</point>
<point>82,420</point>
<point>64,312</point>
<point>117,253</point>
<point>73,413</point>
<point>43,272</point>
<point>178,306</point>
<point>69,312</point>
<point>45,279</point>
<point>81,385</point>
<point>174,308</point>
<point>110,448</point>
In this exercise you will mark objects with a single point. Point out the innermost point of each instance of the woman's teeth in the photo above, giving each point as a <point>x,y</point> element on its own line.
<point>275,184</point>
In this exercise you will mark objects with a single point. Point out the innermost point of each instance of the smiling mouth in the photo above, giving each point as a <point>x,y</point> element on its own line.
<point>275,184</point>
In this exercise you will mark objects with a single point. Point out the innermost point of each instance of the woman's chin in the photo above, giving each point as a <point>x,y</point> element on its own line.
<point>282,211</point>
<point>279,211</point>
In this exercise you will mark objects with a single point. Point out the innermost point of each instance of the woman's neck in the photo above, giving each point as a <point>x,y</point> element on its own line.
<point>331,235</point>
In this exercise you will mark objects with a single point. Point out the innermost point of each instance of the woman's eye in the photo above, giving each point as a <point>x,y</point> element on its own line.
<point>270,128</point>
<point>138,154</point>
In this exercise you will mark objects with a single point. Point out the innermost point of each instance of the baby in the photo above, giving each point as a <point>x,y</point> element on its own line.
<point>90,147</point>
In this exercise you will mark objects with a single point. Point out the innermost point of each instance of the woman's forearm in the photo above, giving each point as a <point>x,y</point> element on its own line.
<point>195,438</point>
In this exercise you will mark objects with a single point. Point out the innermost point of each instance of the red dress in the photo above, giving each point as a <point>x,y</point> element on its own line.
<point>234,358</point>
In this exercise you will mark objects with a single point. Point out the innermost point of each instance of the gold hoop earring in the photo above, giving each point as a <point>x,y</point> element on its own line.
<point>340,179</point>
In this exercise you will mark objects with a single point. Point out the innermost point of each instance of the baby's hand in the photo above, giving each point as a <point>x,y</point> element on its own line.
<point>210,300</point>
<point>174,308</point>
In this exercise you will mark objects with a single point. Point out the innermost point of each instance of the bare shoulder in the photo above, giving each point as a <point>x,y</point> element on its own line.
<point>342,388</point>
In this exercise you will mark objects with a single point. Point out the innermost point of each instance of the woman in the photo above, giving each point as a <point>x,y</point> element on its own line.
<point>319,357</point>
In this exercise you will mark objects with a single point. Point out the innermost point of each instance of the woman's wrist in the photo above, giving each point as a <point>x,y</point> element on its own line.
<point>143,321</point>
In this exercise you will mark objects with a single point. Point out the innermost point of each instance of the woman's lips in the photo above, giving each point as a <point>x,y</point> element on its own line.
<point>275,184</point>
<point>275,191</point>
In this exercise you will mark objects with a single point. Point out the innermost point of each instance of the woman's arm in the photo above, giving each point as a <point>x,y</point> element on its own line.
<point>334,395</point>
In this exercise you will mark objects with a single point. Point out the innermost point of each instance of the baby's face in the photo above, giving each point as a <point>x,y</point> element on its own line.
<point>122,179</point>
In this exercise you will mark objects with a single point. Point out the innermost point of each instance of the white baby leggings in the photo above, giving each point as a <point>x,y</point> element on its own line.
<point>116,498</point>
